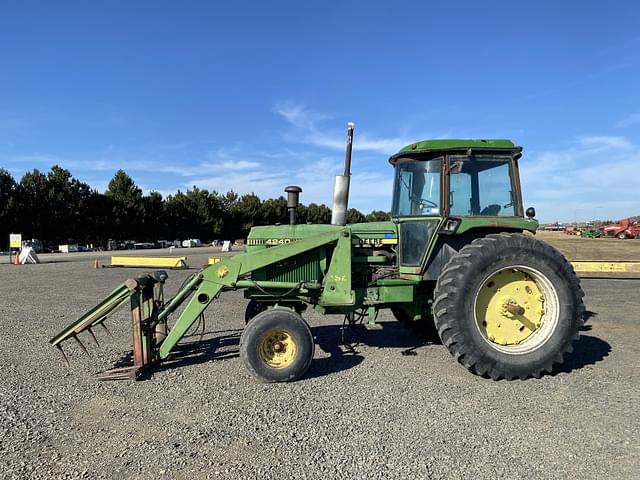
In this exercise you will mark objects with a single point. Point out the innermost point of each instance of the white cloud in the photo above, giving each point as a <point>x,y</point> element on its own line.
<point>101,186</point>
<point>370,190</point>
<point>362,142</point>
<point>629,120</point>
<point>238,165</point>
<point>593,179</point>
<point>31,159</point>
<point>306,130</point>
<point>298,115</point>
<point>268,179</point>
<point>604,142</point>
<point>260,182</point>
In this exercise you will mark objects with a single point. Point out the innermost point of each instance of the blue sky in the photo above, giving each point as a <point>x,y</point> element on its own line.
<point>253,96</point>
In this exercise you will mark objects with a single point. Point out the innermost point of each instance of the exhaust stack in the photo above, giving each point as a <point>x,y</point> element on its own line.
<point>293,197</point>
<point>341,185</point>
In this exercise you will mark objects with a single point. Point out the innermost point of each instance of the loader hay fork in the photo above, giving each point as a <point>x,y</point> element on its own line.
<point>148,332</point>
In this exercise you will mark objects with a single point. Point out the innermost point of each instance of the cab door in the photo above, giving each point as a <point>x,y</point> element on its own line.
<point>417,209</point>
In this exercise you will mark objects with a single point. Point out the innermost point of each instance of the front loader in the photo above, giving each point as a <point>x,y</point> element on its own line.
<point>458,254</point>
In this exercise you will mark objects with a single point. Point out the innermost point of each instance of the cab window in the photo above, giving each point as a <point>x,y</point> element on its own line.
<point>481,185</point>
<point>417,187</point>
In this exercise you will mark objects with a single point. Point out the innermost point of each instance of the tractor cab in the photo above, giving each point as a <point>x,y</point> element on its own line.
<point>452,186</point>
<point>461,178</point>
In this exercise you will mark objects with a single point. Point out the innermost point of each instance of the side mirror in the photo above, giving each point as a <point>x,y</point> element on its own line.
<point>531,212</point>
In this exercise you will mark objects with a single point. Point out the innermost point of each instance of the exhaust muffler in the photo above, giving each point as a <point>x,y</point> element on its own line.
<point>341,185</point>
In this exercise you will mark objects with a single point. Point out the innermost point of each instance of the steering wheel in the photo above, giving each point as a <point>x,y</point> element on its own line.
<point>427,203</point>
<point>423,202</point>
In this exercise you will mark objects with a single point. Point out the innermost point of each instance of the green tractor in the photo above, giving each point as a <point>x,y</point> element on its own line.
<point>457,254</point>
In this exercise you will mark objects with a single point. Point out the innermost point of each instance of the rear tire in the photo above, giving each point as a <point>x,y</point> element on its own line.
<point>622,236</point>
<point>277,346</point>
<point>508,306</point>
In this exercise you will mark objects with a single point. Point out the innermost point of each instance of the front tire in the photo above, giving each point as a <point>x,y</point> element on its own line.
<point>508,306</point>
<point>277,346</point>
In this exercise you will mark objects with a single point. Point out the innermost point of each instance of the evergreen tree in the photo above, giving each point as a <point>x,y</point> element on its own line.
<point>355,216</point>
<point>34,208</point>
<point>9,203</point>
<point>378,216</point>
<point>58,208</point>
<point>318,213</point>
<point>126,206</point>
<point>273,210</point>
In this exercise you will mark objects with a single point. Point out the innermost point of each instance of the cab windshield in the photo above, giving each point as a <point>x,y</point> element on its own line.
<point>417,187</point>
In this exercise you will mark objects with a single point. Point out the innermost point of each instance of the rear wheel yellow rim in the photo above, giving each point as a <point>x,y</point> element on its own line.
<point>516,309</point>
<point>277,349</point>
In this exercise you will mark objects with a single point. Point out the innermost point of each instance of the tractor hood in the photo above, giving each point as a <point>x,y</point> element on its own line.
<point>374,233</point>
<point>280,234</point>
<point>362,233</point>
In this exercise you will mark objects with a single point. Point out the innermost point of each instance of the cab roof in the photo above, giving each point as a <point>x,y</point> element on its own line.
<point>453,145</point>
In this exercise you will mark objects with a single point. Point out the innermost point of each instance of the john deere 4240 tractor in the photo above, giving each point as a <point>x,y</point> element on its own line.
<point>458,252</point>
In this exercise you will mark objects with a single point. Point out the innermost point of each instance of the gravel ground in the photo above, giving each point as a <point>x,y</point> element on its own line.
<point>394,407</point>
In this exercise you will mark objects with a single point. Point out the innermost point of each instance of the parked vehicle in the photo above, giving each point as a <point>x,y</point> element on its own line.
<point>623,229</point>
<point>192,242</point>
<point>554,227</point>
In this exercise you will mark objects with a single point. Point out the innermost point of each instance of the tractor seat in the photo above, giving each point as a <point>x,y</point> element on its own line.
<point>491,210</point>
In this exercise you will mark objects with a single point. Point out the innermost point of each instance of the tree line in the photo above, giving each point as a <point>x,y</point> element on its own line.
<point>57,208</point>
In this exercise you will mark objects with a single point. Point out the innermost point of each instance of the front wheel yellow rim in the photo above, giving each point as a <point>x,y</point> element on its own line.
<point>277,349</point>
<point>516,309</point>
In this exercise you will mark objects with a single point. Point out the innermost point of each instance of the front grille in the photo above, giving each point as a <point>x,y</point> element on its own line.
<point>301,268</point>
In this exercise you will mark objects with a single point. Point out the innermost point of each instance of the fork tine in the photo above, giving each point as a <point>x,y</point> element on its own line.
<point>84,349</point>
<point>105,328</point>
<point>93,336</point>
<point>64,355</point>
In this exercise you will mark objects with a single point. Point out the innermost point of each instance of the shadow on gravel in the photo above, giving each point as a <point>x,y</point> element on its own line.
<point>341,345</point>
<point>588,315</point>
<point>194,351</point>
<point>225,344</point>
<point>586,351</point>
<point>328,339</point>
<point>217,345</point>
<point>343,356</point>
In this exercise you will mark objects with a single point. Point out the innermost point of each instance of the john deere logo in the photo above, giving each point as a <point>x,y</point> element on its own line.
<point>222,272</point>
